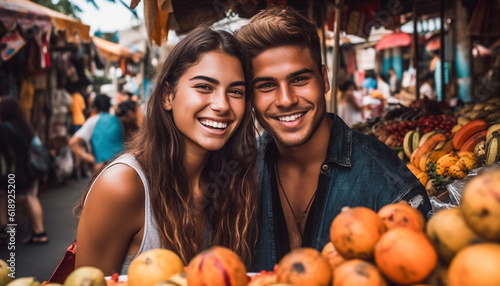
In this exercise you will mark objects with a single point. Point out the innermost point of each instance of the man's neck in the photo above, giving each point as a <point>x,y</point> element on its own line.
<point>313,151</point>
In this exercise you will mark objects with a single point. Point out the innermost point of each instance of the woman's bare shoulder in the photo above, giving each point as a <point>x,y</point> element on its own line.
<point>118,184</point>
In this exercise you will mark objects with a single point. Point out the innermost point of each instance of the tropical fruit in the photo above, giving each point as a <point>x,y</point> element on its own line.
<point>481,204</point>
<point>85,276</point>
<point>216,266</point>
<point>304,266</point>
<point>476,265</point>
<point>153,266</point>
<point>354,232</point>
<point>263,278</point>
<point>405,256</point>
<point>332,255</point>
<point>493,149</point>
<point>401,215</point>
<point>179,279</point>
<point>29,281</point>
<point>410,142</point>
<point>449,233</point>
<point>357,272</point>
<point>467,131</point>
<point>4,273</point>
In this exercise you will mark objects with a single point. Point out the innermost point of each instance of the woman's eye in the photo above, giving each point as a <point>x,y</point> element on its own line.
<point>236,93</point>
<point>203,87</point>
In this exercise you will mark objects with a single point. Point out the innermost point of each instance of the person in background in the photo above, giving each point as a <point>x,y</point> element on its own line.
<point>187,180</point>
<point>15,139</point>
<point>102,131</point>
<point>128,113</point>
<point>349,108</point>
<point>311,164</point>
<point>427,88</point>
<point>393,81</point>
<point>77,108</point>
<point>369,83</point>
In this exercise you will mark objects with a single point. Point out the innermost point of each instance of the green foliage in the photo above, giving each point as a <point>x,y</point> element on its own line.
<point>63,6</point>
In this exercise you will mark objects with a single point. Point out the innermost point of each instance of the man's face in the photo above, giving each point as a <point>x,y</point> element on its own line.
<point>289,93</point>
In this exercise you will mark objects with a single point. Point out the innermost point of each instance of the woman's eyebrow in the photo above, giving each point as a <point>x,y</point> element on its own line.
<point>237,83</point>
<point>202,77</point>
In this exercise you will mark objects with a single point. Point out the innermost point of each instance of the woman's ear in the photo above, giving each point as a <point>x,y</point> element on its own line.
<point>168,97</point>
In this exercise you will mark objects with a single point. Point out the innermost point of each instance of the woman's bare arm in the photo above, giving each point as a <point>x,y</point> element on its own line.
<point>112,220</point>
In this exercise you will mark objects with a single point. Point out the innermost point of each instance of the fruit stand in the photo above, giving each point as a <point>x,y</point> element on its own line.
<point>458,245</point>
<point>394,246</point>
<point>440,144</point>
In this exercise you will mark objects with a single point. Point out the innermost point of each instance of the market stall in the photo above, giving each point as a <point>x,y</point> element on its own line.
<point>44,53</point>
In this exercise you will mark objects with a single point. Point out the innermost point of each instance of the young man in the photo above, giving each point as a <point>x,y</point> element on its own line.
<point>312,163</point>
<point>104,132</point>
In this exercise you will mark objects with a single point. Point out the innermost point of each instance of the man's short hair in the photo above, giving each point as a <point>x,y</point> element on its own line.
<point>276,27</point>
<point>102,103</point>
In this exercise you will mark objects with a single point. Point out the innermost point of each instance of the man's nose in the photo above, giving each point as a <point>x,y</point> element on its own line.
<point>286,96</point>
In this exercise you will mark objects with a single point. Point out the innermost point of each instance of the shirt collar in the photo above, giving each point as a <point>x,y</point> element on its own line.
<point>339,146</point>
<point>340,143</point>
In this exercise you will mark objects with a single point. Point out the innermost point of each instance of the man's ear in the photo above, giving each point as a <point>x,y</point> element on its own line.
<point>325,78</point>
<point>168,97</point>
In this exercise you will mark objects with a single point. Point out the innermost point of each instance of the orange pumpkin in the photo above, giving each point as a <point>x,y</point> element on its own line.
<point>216,266</point>
<point>304,266</point>
<point>405,256</point>
<point>354,232</point>
<point>332,256</point>
<point>476,265</point>
<point>153,266</point>
<point>402,214</point>
<point>357,272</point>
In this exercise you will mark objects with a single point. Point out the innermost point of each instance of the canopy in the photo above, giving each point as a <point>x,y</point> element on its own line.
<point>394,40</point>
<point>113,51</point>
<point>27,13</point>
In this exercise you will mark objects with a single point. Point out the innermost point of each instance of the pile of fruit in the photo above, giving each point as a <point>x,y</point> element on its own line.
<point>436,159</point>
<point>395,246</point>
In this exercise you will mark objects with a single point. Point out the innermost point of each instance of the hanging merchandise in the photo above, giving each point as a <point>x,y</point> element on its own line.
<point>26,95</point>
<point>11,43</point>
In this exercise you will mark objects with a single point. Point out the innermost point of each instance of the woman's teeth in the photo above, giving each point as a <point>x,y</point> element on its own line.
<point>291,117</point>
<point>214,124</point>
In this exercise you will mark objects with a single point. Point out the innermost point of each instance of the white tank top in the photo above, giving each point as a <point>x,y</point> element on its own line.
<point>151,237</point>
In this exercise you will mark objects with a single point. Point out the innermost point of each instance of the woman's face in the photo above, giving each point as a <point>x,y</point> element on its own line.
<point>208,102</point>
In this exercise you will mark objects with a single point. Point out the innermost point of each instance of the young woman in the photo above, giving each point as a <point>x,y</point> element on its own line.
<point>187,180</point>
<point>15,139</point>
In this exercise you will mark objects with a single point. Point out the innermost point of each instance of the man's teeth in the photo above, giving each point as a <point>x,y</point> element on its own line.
<point>291,117</point>
<point>214,124</point>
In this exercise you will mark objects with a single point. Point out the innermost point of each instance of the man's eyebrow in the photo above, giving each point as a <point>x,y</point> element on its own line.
<point>202,77</point>
<point>290,76</point>
<point>299,72</point>
<point>263,78</point>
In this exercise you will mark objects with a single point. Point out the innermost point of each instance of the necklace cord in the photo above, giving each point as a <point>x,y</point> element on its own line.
<point>304,213</point>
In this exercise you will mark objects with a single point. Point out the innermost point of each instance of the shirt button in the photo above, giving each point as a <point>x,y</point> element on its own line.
<point>324,167</point>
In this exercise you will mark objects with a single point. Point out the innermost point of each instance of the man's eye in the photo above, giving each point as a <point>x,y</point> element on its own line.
<point>266,85</point>
<point>299,80</point>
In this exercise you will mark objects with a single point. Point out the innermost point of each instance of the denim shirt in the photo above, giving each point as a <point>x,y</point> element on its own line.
<point>359,171</point>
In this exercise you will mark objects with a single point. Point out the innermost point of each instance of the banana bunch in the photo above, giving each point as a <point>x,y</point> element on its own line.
<point>461,121</point>
<point>464,161</point>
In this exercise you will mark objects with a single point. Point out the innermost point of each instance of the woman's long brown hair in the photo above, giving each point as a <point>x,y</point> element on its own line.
<point>229,176</point>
